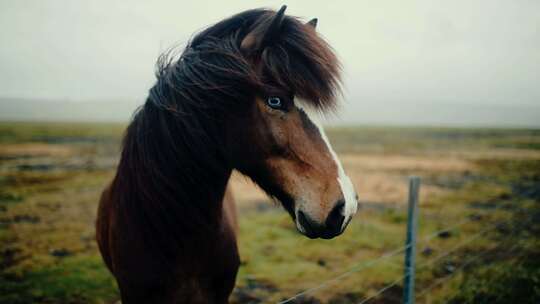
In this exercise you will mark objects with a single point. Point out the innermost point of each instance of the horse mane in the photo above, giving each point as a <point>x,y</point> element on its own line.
<point>171,149</point>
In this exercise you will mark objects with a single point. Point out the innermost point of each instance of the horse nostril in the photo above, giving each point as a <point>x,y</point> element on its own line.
<point>335,218</point>
<point>312,228</point>
<point>302,219</point>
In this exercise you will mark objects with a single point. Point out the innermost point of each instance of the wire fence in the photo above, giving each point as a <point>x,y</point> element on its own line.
<point>422,266</point>
<point>432,261</point>
<point>444,279</point>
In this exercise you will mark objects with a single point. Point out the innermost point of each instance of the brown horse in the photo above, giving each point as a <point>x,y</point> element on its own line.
<point>233,100</point>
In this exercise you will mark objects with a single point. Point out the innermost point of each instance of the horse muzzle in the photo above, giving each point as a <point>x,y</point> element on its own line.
<point>334,224</point>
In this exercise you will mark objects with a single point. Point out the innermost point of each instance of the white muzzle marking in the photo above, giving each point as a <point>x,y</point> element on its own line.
<point>347,187</point>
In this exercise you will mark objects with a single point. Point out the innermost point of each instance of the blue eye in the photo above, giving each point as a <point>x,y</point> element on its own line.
<point>274,102</point>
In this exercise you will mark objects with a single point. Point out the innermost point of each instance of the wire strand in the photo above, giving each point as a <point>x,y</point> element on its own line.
<point>366,265</point>
<point>432,261</point>
<point>448,277</point>
<point>358,267</point>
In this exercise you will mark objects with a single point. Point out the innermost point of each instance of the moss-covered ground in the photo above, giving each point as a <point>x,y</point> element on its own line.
<point>483,182</point>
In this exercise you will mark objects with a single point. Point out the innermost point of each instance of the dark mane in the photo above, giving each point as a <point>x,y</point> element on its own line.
<point>171,149</point>
<point>212,65</point>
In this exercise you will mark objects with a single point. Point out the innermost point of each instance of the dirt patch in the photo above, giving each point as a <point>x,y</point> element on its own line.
<point>12,151</point>
<point>392,295</point>
<point>404,163</point>
<point>383,178</point>
<point>349,297</point>
<point>8,257</point>
<point>454,181</point>
<point>528,188</point>
<point>254,292</point>
<point>26,218</point>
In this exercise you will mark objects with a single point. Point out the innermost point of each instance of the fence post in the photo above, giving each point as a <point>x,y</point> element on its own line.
<point>410,252</point>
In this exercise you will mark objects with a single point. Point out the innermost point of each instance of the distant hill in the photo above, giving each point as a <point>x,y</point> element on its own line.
<point>352,113</point>
<point>14,109</point>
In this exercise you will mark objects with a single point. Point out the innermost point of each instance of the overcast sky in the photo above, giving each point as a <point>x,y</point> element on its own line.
<point>411,62</point>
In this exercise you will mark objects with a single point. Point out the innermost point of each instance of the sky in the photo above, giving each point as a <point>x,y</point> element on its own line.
<point>463,63</point>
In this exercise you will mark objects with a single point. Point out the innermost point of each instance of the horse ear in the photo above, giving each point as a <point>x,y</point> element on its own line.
<point>264,33</point>
<point>313,22</point>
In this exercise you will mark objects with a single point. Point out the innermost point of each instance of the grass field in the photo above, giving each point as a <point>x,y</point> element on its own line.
<point>51,175</point>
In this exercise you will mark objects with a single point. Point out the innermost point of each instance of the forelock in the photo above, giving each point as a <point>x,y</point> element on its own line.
<point>300,60</point>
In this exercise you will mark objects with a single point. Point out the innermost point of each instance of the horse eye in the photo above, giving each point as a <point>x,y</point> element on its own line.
<point>274,102</point>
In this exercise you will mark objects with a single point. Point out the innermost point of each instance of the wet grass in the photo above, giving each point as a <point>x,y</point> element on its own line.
<point>47,211</point>
<point>75,279</point>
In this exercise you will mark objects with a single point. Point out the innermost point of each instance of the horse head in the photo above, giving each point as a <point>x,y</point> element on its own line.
<point>277,140</point>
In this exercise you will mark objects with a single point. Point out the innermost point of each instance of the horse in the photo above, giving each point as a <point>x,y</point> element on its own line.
<point>240,96</point>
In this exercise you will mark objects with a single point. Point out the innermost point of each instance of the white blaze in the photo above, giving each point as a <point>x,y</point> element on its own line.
<point>347,188</point>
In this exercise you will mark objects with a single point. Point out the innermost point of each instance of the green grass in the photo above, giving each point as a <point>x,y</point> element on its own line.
<point>272,251</point>
<point>78,279</point>
<point>24,132</point>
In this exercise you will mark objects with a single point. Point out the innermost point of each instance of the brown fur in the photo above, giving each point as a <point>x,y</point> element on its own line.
<point>308,169</point>
<point>166,225</point>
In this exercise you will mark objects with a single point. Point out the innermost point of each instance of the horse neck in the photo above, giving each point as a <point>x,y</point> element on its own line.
<point>169,190</point>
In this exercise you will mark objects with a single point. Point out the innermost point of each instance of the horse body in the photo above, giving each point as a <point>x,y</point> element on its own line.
<point>235,98</point>
<point>205,272</point>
